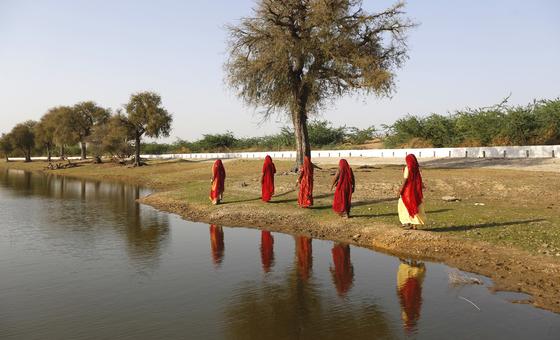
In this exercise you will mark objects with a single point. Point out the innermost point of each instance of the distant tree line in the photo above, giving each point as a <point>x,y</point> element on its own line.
<point>67,129</point>
<point>537,123</point>
<point>322,134</point>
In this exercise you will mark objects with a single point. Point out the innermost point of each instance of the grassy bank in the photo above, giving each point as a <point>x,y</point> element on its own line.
<point>506,225</point>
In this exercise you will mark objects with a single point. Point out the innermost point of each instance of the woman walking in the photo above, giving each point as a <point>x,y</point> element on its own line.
<point>411,201</point>
<point>305,181</point>
<point>218,182</point>
<point>267,179</point>
<point>345,184</point>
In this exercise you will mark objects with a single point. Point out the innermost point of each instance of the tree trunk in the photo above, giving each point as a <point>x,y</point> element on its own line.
<point>83,149</point>
<point>28,156</point>
<point>62,152</point>
<point>49,153</point>
<point>137,149</point>
<point>303,148</point>
<point>7,158</point>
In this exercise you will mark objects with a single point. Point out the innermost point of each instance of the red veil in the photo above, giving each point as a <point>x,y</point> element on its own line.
<point>268,172</point>
<point>267,250</point>
<point>305,196</point>
<point>219,177</point>
<point>411,194</point>
<point>343,192</point>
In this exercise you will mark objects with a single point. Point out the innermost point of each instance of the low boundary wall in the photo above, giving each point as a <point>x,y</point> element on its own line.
<point>539,151</point>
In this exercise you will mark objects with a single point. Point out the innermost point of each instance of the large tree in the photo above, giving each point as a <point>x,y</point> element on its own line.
<point>45,132</point>
<point>23,138</point>
<point>6,146</point>
<point>112,138</point>
<point>146,116</point>
<point>85,116</point>
<point>65,133</point>
<point>294,56</point>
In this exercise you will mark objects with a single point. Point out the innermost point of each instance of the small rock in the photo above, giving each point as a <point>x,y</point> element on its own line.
<point>450,199</point>
<point>480,204</point>
<point>243,184</point>
<point>357,236</point>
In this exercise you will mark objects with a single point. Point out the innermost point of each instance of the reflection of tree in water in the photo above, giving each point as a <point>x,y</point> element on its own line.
<point>410,277</point>
<point>217,244</point>
<point>294,308</point>
<point>343,271</point>
<point>91,207</point>
<point>267,250</point>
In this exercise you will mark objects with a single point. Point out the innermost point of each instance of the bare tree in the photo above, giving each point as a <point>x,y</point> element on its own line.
<point>294,56</point>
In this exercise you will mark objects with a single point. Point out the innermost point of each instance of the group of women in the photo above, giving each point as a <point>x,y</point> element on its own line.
<point>411,198</point>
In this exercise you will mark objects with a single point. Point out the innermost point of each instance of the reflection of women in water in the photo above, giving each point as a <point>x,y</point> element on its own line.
<point>305,181</point>
<point>217,243</point>
<point>411,201</point>
<point>345,183</point>
<point>267,179</point>
<point>304,256</point>
<point>343,271</point>
<point>409,289</point>
<point>218,180</point>
<point>267,250</point>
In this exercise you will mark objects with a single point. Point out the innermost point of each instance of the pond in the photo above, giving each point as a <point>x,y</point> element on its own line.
<point>83,260</point>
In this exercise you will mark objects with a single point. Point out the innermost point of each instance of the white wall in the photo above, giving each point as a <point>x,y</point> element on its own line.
<point>540,151</point>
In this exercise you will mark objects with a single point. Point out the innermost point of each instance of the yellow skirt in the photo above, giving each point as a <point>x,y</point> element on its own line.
<point>405,218</point>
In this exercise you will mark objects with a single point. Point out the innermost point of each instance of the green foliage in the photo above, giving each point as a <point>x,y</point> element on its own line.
<point>322,133</point>
<point>6,146</point>
<point>534,124</point>
<point>22,137</point>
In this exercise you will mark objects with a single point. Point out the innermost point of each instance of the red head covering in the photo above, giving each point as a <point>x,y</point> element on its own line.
<point>268,172</point>
<point>219,177</point>
<point>411,194</point>
<point>343,272</point>
<point>217,243</point>
<point>304,253</point>
<point>305,197</point>
<point>343,192</point>
<point>267,250</point>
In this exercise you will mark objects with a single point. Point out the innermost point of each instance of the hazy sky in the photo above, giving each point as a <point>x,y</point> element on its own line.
<point>464,53</point>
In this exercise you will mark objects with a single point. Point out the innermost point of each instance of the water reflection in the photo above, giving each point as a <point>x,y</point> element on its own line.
<point>80,213</point>
<point>217,244</point>
<point>267,250</point>
<point>410,277</point>
<point>304,255</point>
<point>343,271</point>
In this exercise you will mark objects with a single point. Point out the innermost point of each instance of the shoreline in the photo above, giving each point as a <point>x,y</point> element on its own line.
<point>510,269</point>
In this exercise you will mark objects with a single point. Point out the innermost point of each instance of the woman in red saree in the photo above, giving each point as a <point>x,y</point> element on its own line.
<point>411,201</point>
<point>345,184</point>
<point>343,271</point>
<point>410,277</point>
<point>218,182</point>
<point>305,181</point>
<point>217,243</point>
<point>267,179</point>
<point>267,250</point>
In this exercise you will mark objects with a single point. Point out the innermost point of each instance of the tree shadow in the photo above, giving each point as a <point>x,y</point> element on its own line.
<point>481,225</point>
<point>438,211</point>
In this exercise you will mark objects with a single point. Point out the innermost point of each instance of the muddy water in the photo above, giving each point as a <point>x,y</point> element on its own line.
<point>82,260</point>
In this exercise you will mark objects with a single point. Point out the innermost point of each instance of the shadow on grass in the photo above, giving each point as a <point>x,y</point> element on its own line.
<point>295,199</point>
<point>355,204</point>
<point>439,211</point>
<point>241,201</point>
<point>481,226</point>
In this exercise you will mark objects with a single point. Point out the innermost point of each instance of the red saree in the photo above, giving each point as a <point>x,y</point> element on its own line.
<point>343,193</point>
<point>267,250</point>
<point>218,179</point>
<point>217,243</point>
<point>305,196</point>
<point>411,193</point>
<point>267,181</point>
<point>343,272</point>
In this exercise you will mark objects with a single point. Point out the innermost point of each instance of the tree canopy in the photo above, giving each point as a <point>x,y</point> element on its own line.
<point>294,56</point>
<point>22,137</point>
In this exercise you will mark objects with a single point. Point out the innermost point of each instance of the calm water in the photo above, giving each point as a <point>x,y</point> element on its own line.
<point>82,260</point>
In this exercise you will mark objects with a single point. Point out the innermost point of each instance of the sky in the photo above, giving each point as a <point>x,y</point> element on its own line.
<point>463,54</point>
